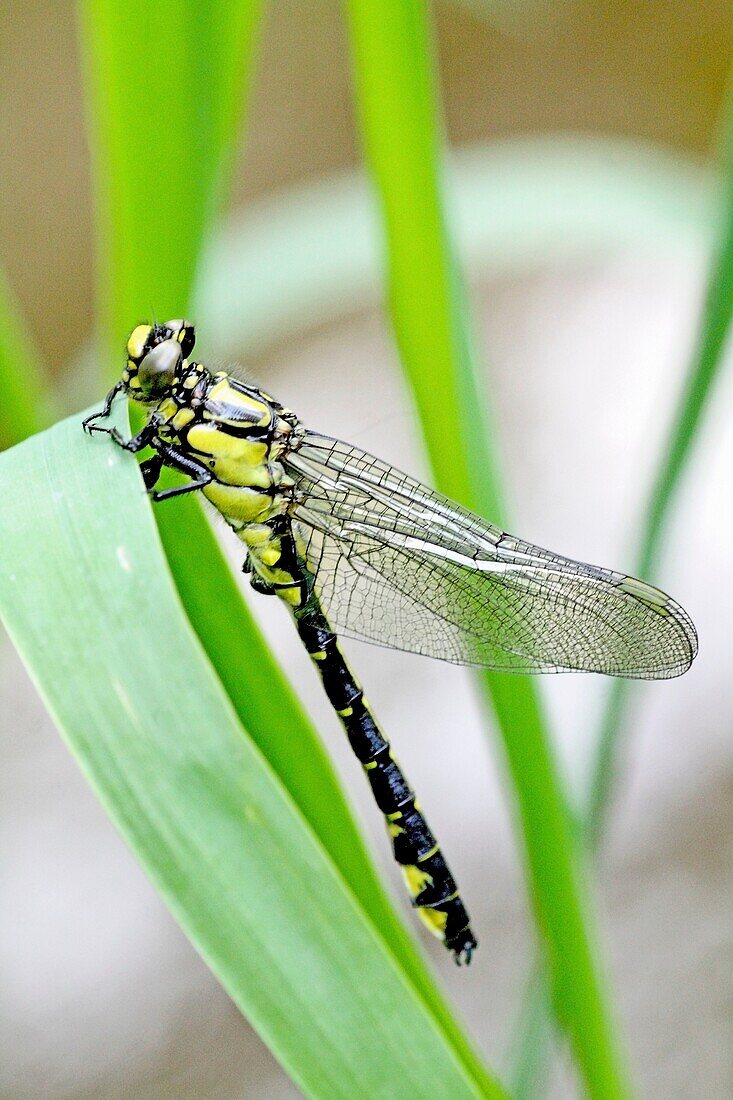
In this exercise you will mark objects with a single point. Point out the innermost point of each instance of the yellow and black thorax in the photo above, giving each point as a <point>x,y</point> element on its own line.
<point>215,424</point>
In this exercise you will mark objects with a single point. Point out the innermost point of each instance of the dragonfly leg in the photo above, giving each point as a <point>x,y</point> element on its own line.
<point>136,443</point>
<point>89,424</point>
<point>150,470</point>
<point>171,456</point>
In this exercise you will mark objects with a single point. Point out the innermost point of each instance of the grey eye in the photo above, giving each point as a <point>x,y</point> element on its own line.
<point>184,332</point>
<point>158,369</point>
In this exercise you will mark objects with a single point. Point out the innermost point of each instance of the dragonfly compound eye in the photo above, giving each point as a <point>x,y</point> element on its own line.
<point>184,332</point>
<point>158,369</point>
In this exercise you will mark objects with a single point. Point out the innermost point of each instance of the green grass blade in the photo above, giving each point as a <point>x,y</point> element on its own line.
<point>146,716</point>
<point>703,372</point>
<point>166,81</point>
<point>153,226</point>
<point>704,367</point>
<point>28,404</point>
<point>396,102</point>
<point>531,1043</point>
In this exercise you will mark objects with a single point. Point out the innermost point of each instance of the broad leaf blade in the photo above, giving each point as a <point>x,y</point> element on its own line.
<point>86,594</point>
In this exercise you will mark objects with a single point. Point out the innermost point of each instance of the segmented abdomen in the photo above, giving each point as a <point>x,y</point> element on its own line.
<point>427,875</point>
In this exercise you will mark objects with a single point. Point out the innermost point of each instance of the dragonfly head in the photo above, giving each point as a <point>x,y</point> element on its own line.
<point>155,358</point>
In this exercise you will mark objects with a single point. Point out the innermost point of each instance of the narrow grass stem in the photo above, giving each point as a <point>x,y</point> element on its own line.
<point>397,104</point>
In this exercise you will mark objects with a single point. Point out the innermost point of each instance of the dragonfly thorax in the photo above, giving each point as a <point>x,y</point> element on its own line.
<point>230,436</point>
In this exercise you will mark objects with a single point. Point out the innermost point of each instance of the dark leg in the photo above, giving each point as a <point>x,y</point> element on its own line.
<point>171,456</point>
<point>144,438</point>
<point>150,469</point>
<point>88,424</point>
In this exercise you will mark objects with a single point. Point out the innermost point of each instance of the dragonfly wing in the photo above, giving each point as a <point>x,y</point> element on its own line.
<point>354,586</point>
<point>398,564</point>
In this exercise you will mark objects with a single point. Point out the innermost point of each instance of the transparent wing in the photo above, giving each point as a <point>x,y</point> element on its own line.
<point>400,565</point>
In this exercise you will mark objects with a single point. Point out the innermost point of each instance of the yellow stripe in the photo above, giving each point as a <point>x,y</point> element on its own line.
<point>182,418</point>
<point>416,879</point>
<point>271,554</point>
<point>136,343</point>
<point>211,439</point>
<point>240,503</point>
<point>434,920</point>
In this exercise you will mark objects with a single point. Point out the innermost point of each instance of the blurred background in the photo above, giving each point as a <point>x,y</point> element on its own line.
<point>587,318</point>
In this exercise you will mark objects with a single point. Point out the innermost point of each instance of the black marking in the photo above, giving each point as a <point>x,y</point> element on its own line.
<point>237,427</point>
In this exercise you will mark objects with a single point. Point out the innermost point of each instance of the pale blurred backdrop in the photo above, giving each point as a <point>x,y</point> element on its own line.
<point>101,996</point>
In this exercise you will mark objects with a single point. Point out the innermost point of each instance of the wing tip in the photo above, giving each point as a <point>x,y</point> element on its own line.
<point>677,618</point>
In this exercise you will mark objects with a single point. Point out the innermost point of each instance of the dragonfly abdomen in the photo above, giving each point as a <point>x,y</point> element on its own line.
<point>428,878</point>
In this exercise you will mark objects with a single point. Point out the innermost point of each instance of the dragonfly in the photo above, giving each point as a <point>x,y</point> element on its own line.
<point>350,544</point>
